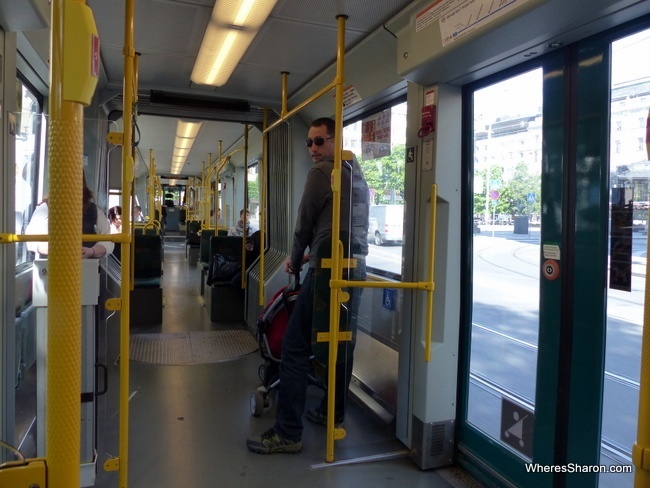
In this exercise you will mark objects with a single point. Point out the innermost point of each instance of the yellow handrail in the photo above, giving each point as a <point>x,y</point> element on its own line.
<point>265,137</point>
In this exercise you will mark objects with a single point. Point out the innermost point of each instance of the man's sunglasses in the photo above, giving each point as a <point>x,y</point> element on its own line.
<point>319,141</point>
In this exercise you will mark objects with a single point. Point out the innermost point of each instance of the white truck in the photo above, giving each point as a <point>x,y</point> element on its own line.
<point>386,224</point>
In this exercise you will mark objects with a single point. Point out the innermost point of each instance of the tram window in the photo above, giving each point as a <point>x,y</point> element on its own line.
<point>27,160</point>
<point>379,143</point>
<point>628,160</point>
<point>254,196</point>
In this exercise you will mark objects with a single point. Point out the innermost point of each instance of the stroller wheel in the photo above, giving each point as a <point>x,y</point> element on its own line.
<point>261,372</point>
<point>257,403</point>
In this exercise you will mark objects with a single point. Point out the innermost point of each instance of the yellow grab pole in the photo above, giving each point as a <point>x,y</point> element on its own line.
<point>63,410</point>
<point>265,155</point>
<point>337,271</point>
<point>285,93</point>
<point>641,448</point>
<point>127,172</point>
<point>205,200</point>
<point>151,187</point>
<point>244,264</point>
<point>432,262</point>
<point>300,106</point>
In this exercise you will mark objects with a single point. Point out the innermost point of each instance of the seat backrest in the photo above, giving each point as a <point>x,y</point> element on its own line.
<point>147,256</point>
<point>229,246</point>
<point>204,252</point>
<point>192,227</point>
<point>148,231</point>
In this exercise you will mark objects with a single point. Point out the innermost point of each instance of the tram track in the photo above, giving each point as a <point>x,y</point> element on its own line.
<point>621,379</point>
<point>484,253</point>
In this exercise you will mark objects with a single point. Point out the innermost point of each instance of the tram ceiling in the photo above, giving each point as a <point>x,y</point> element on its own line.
<point>299,37</point>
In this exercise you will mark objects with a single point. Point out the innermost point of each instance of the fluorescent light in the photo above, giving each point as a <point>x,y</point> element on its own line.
<point>187,129</point>
<point>232,27</point>
<point>186,132</point>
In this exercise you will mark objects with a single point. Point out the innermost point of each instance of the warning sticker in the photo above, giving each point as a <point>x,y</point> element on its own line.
<point>551,251</point>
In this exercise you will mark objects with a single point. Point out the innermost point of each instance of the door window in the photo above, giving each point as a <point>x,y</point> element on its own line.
<point>507,121</point>
<point>628,234</point>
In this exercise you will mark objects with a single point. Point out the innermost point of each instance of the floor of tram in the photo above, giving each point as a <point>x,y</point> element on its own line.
<point>188,424</point>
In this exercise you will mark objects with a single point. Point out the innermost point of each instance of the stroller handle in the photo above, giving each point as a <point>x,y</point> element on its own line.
<point>296,282</point>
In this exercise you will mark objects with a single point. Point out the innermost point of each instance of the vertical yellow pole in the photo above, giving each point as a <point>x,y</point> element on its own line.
<point>151,188</point>
<point>641,448</point>
<point>204,177</point>
<point>244,264</point>
<point>216,189</point>
<point>63,410</point>
<point>205,208</point>
<point>127,176</point>
<point>265,155</point>
<point>337,271</point>
<point>285,93</point>
<point>431,272</point>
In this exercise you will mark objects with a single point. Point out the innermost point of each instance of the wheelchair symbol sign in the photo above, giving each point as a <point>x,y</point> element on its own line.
<point>389,298</point>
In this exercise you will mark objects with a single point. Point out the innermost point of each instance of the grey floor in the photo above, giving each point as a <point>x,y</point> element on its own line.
<point>189,424</point>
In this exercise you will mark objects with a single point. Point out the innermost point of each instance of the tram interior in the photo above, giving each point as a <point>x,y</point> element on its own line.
<point>194,369</point>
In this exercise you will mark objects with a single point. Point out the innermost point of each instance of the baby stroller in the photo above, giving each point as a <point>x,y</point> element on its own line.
<point>271,326</point>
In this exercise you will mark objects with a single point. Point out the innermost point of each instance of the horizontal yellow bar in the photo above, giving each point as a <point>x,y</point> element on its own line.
<point>343,336</point>
<point>300,107</point>
<point>419,285</point>
<point>8,238</point>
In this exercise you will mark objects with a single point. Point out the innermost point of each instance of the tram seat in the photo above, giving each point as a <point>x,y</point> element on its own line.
<point>222,232</point>
<point>192,241</point>
<point>224,302</point>
<point>204,254</point>
<point>146,296</point>
<point>142,230</point>
<point>147,261</point>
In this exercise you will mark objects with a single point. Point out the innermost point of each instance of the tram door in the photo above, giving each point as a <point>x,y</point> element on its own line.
<point>552,326</point>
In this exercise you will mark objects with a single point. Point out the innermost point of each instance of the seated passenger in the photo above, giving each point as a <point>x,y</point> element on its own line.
<point>252,253</point>
<point>238,230</point>
<point>137,214</point>
<point>115,218</point>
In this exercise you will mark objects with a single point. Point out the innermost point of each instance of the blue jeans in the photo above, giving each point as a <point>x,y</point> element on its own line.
<point>345,364</point>
<point>296,352</point>
<point>295,365</point>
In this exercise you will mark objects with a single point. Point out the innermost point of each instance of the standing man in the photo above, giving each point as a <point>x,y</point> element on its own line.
<point>313,228</point>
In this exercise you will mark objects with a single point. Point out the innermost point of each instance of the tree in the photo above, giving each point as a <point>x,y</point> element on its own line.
<point>253,190</point>
<point>385,176</point>
<point>483,205</point>
<point>513,194</point>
